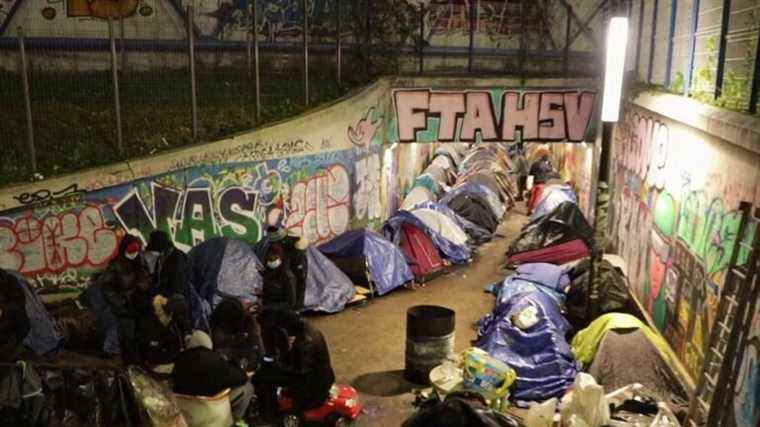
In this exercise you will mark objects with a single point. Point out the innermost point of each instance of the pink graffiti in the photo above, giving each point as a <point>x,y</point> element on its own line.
<point>362,133</point>
<point>56,242</point>
<point>320,206</point>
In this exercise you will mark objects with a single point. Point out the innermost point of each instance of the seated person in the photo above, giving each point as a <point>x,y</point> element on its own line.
<point>302,365</point>
<point>236,334</point>
<point>14,321</point>
<point>160,334</point>
<point>201,371</point>
<point>166,263</point>
<point>279,281</point>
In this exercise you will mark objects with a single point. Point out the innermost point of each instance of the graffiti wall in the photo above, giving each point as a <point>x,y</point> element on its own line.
<point>575,165</point>
<point>319,176</point>
<point>676,195</point>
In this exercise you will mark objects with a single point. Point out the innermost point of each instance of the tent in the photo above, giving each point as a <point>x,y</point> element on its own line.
<point>458,254</point>
<point>547,278</point>
<point>328,289</point>
<point>475,209</point>
<point>471,188</point>
<point>417,195</point>
<point>477,234</point>
<point>217,268</point>
<point>488,180</point>
<point>366,256</point>
<point>551,197</point>
<point>538,352</point>
<point>421,254</point>
<point>444,162</point>
<point>43,336</point>
<point>440,174</point>
<point>557,238</point>
<point>428,181</point>
<point>451,151</point>
<point>442,224</point>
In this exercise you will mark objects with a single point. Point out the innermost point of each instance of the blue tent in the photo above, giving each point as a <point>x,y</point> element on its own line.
<point>43,336</point>
<point>539,354</point>
<point>327,288</point>
<point>448,249</point>
<point>218,268</point>
<point>427,181</point>
<point>477,233</point>
<point>387,265</point>
<point>551,197</point>
<point>479,190</point>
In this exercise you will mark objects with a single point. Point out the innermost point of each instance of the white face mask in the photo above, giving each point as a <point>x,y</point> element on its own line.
<point>131,256</point>
<point>274,263</point>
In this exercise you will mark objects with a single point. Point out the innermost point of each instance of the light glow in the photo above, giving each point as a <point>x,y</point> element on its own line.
<point>617,40</point>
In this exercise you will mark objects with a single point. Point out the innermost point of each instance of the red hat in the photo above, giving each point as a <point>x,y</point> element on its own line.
<point>132,249</point>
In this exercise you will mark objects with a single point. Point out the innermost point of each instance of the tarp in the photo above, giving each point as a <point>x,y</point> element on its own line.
<point>451,151</point>
<point>429,182</point>
<point>551,197</point>
<point>328,289</point>
<point>43,336</point>
<point>416,195</point>
<point>438,173</point>
<point>539,354</point>
<point>444,161</point>
<point>489,181</point>
<point>477,234</point>
<point>458,254</point>
<point>217,268</point>
<point>563,224</point>
<point>442,224</point>
<point>387,265</point>
<point>472,188</point>
<point>547,278</point>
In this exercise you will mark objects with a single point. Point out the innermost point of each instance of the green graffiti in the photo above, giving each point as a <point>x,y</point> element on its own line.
<point>665,214</point>
<point>197,219</point>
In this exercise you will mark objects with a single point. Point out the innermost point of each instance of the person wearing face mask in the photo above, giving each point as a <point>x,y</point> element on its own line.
<point>166,263</point>
<point>279,281</point>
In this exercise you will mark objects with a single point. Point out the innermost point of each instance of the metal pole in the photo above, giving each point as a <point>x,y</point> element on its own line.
<point>692,47</point>
<point>470,51</point>
<point>27,99</point>
<point>566,53</point>
<point>422,38</point>
<point>671,35</point>
<point>122,44</point>
<point>191,53</point>
<point>249,51</point>
<point>722,48</point>
<point>653,41</point>
<point>256,62</point>
<point>523,46</point>
<point>755,79</point>
<point>338,40</point>
<point>368,38</point>
<point>640,32</point>
<point>305,53</point>
<point>115,78</point>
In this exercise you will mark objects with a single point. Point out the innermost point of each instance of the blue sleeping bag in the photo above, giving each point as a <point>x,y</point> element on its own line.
<point>539,354</point>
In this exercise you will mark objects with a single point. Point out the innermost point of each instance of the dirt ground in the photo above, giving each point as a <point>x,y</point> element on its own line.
<point>367,342</point>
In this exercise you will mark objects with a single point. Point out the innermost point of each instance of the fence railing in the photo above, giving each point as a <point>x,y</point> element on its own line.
<point>706,49</point>
<point>109,93</point>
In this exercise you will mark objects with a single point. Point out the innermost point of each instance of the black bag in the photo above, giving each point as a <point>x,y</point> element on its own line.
<point>459,409</point>
<point>613,293</point>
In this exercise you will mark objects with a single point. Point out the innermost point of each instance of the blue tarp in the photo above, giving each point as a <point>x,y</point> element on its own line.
<point>477,233</point>
<point>327,288</point>
<point>540,354</point>
<point>387,265</point>
<point>514,285</point>
<point>480,190</point>
<point>43,336</point>
<point>551,197</point>
<point>448,249</point>
<point>218,268</point>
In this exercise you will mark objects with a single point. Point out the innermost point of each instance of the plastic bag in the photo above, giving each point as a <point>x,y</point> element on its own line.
<point>157,405</point>
<point>486,375</point>
<point>541,414</point>
<point>585,404</point>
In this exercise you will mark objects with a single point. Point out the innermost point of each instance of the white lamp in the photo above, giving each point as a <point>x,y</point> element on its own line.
<point>617,41</point>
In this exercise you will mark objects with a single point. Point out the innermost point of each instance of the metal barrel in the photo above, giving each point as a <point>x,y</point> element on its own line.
<point>429,340</point>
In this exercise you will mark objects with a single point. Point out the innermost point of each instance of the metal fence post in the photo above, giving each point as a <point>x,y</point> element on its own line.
<point>115,80</point>
<point>639,35</point>
<point>720,72</point>
<point>692,47</point>
<point>422,38</point>
<point>653,41</point>
<point>471,48</point>
<point>338,47</point>
<point>568,29</point>
<point>122,45</point>
<point>368,39</point>
<point>256,60</point>
<point>191,53</point>
<point>671,35</point>
<point>755,89</point>
<point>249,51</point>
<point>27,99</point>
<point>523,40</point>
<point>305,52</point>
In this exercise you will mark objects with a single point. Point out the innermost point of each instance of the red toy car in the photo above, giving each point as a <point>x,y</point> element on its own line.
<point>340,409</point>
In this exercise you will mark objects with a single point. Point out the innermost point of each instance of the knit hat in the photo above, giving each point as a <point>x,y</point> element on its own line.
<point>200,339</point>
<point>132,250</point>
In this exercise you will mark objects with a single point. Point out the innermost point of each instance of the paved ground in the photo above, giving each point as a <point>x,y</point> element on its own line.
<point>367,343</point>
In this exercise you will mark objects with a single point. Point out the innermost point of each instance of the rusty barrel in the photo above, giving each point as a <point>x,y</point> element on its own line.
<point>429,340</point>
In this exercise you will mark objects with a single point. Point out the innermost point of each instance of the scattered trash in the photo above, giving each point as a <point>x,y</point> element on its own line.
<point>585,405</point>
<point>541,414</point>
